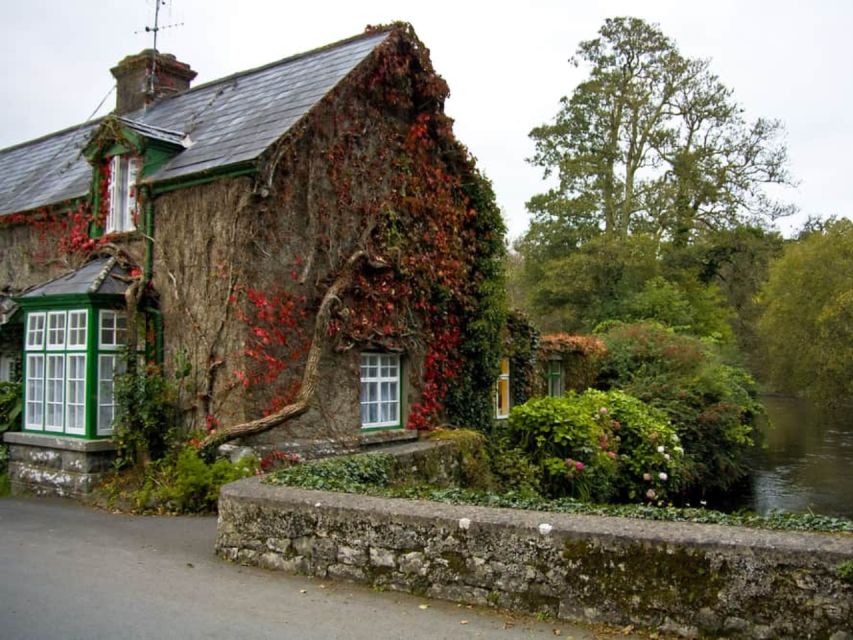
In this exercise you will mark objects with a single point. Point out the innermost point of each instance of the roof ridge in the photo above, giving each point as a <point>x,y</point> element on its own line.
<point>207,84</point>
<point>269,65</point>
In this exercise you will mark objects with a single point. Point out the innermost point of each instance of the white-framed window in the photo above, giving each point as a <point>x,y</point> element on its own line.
<point>112,329</point>
<point>380,390</point>
<point>502,391</point>
<point>35,331</point>
<point>123,173</point>
<point>56,330</point>
<point>7,369</point>
<point>556,378</point>
<point>55,371</point>
<point>75,416</point>
<point>34,413</point>
<point>77,321</point>
<point>55,393</point>
<point>109,366</point>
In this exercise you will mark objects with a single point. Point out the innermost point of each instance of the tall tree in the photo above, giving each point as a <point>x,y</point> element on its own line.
<point>652,142</point>
<point>650,153</point>
<point>807,323</point>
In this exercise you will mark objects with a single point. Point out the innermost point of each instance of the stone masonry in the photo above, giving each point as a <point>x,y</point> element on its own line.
<point>53,465</point>
<point>684,578</point>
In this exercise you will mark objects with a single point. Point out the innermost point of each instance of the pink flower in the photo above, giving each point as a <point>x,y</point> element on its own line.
<point>650,494</point>
<point>579,466</point>
<point>611,455</point>
<point>647,477</point>
<point>603,411</point>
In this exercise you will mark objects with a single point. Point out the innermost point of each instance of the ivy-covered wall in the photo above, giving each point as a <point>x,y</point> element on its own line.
<point>372,177</point>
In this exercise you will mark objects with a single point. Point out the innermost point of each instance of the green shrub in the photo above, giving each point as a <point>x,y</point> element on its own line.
<point>145,410</point>
<point>597,446</point>
<point>349,473</point>
<point>11,403</point>
<point>712,405</point>
<point>187,484</point>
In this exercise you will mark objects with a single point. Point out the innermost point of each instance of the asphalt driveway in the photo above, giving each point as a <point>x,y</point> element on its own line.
<point>67,571</point>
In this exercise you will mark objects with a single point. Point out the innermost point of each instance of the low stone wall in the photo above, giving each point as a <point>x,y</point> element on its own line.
<point>687,579</point>
<point>53,465</point>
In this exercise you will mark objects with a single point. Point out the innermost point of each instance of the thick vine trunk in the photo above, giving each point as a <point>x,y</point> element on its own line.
<point>309,375</point>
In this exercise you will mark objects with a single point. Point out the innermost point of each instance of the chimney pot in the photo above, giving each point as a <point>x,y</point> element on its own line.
<point>138,85</point>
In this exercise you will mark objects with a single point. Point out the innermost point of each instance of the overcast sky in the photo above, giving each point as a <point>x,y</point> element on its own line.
<point>506,64</point>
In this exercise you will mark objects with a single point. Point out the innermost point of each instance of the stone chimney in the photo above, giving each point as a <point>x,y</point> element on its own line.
<point>137,87</point>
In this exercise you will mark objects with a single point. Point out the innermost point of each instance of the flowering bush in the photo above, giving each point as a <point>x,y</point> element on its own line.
<point>712,405</point>
<point>598,446</point>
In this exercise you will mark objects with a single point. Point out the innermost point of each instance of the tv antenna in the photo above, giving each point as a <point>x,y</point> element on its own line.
<point>157,28</point>
<point>151,80</point>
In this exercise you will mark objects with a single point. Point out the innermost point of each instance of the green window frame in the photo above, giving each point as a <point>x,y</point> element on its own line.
<point>381,390</point>
<point>502,398</point>
<point>55,348</point>
<point>556,375</point>
<point>73,349</point>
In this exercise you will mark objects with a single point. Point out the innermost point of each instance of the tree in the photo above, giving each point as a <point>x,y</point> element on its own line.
<point>652,142</point>
<point>807,322</point>
<point>652,157</point>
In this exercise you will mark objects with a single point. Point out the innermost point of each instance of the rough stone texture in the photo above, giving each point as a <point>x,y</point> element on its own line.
<point>54,465</point>
<point>689,579</point>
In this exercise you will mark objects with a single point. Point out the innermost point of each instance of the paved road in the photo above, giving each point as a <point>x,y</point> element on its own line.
<point>67,572</point>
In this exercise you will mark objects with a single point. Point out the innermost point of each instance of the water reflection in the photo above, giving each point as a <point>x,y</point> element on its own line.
<point>808,460</point>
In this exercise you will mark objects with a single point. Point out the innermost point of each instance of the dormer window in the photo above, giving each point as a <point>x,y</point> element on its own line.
<point>123,173</point>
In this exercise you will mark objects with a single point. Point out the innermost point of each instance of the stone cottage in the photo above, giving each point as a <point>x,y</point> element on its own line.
<point>303,248</point>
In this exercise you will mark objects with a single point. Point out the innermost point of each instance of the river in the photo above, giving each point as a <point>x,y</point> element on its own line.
<point>807,461</point>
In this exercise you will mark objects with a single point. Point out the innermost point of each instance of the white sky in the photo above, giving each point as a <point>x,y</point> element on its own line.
<point>506,64</point>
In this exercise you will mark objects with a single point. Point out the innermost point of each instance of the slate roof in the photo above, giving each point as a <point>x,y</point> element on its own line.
<point>228,121</point>
<point>102,276</point>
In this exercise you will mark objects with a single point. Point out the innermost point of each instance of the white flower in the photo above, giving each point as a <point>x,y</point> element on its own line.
<point>464,523</point>
<point>660,449</point>
<point>647,477</point>
<point>650,494</point>
<point>545,528</point>
<point>666,456</point>
<point>662,476</point>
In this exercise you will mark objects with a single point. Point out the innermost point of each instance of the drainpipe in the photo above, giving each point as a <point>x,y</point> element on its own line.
<point>148,273</point>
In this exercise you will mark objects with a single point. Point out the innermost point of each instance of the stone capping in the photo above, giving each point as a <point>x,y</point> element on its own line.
<point>371,437</point>
<point>685,578</point>
<point>629,529</point>
<point>62,443</point>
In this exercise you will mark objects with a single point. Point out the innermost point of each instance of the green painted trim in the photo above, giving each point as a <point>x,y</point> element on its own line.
<point>64,301</point>
<point>231,171</point>
<point>149,233</point>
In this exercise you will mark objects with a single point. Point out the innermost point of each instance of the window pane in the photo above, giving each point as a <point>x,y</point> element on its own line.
<point>35,392</point>
<point>55,392</point>
<point>56,329</point>
<point>35,331</point>
<point>77,329</point>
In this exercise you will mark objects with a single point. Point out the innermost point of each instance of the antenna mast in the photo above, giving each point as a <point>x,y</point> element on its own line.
<point>151,80</point>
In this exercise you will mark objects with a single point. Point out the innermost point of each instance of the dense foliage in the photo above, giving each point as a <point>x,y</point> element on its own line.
<point>180,482</point>
<point>144,414</point>
<point>712,405</point>
<point>370,474</point>
<point>11,403</point>
<point>807,322</point>
<point>598,446</point>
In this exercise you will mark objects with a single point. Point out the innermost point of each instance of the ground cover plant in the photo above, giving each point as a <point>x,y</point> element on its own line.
<point>372,474</point>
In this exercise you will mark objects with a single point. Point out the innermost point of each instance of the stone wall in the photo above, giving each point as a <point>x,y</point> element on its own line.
<point>685,578</point>
<point>53,465</point>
